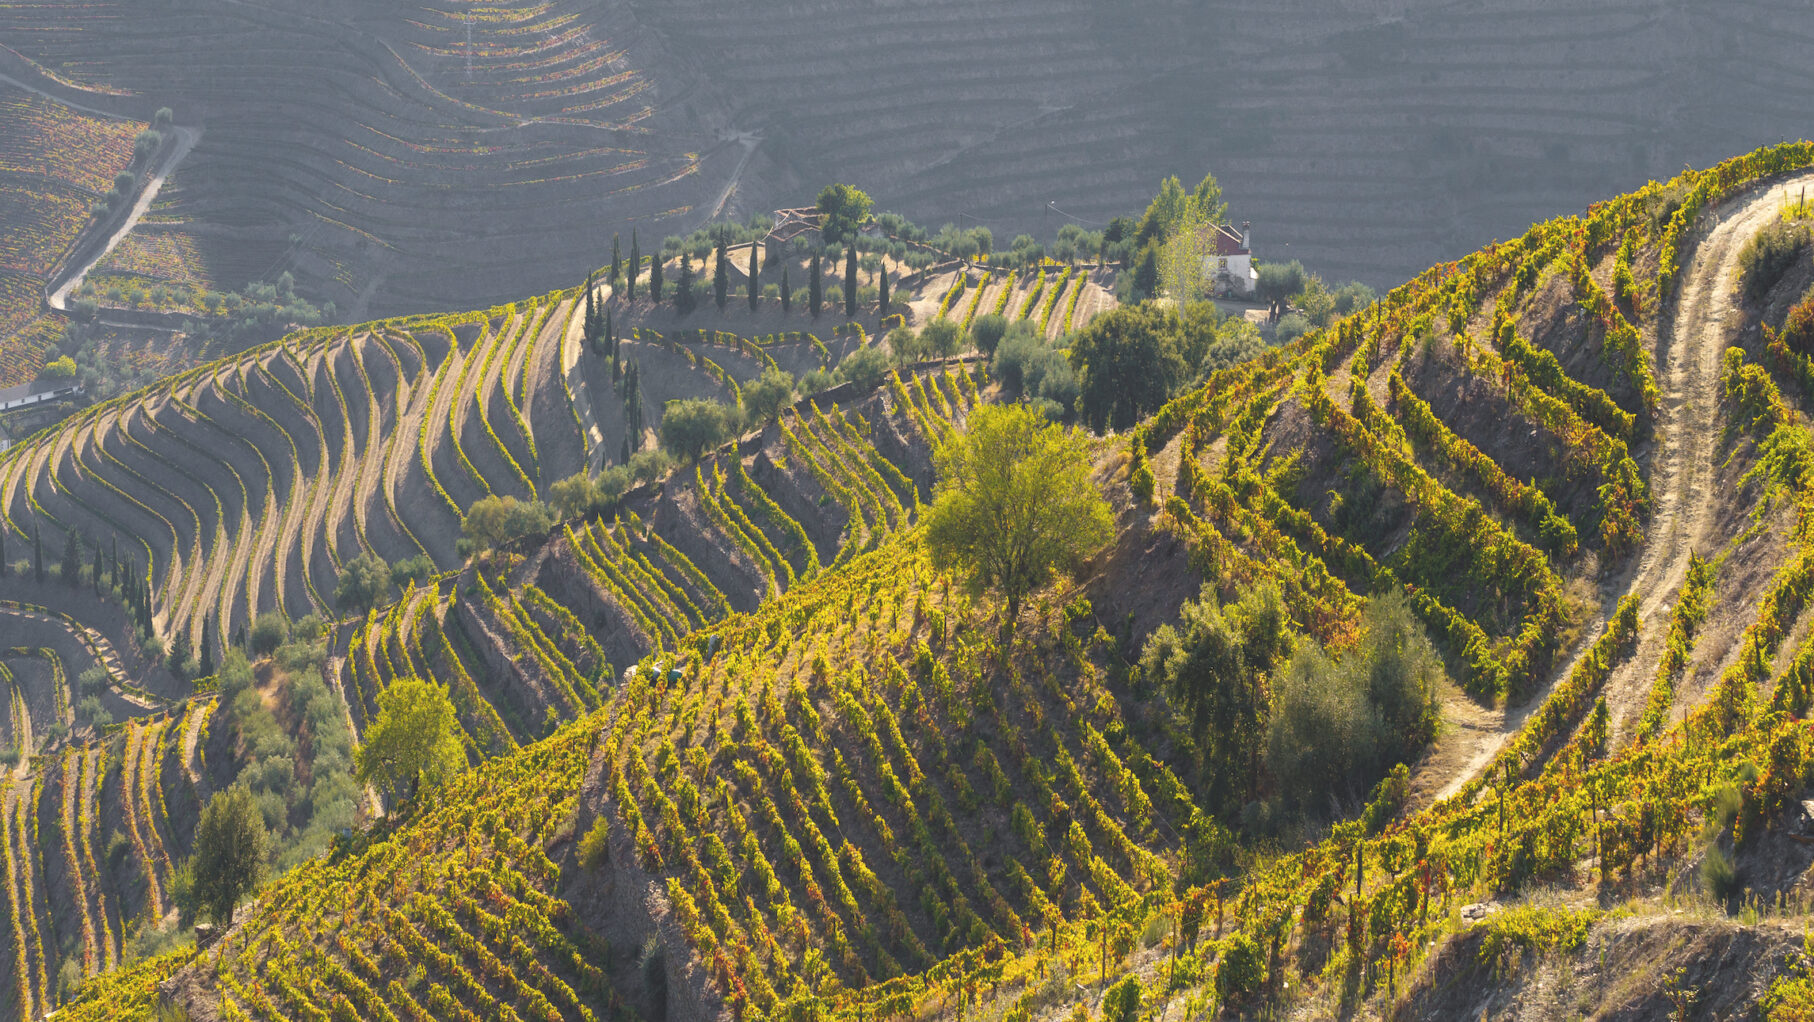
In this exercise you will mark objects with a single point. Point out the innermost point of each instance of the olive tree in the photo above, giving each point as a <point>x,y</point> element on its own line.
<point>231,848</point>
<point>412,743</point>
<point>1015,503</point>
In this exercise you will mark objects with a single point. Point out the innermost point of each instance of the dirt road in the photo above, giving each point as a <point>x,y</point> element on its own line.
<point>573,347</point>
<point>1706,319</point>
<point>60,290</point>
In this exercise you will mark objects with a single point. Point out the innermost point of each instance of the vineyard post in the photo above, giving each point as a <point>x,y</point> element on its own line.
<point>1177,936</point>
<point>1102,973</point>
<point>1593,802</point>
<point>1502,786</point>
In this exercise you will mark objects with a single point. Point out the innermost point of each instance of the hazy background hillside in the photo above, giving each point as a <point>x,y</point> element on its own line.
<point>403,157</point>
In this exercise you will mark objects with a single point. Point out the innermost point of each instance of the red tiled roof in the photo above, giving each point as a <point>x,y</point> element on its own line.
<point>1228,241</point>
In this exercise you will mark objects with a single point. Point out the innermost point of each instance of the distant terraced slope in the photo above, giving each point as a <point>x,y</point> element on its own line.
<point>54,164</point>
<point>1368,138</point>
<point>396,159</point>
<point>402,159</point>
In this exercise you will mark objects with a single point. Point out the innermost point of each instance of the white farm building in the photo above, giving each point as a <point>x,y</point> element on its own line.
<point>1228,259</point>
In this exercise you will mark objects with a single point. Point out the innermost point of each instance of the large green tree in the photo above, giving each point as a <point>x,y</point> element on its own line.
<point>765,396</point>
<point>231,848</point>
<point>364,580</point>
<point>1279,281</point>
<point>692,426</point>
<point>412,744</point>
<point>842,211</point>
<point>494,521</point>
<point>1163,212</point>
<point>1015,503</point>
<point>1128,362</point>
<point>1214,664</point>
<point>1181,257</point>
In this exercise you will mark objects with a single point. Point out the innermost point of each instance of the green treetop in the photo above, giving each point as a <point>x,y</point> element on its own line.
<point>1015,503</point>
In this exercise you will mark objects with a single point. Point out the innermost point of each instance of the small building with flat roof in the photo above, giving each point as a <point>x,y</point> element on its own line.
<point>37,392</point>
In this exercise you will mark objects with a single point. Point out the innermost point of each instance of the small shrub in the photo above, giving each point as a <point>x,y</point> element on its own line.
<point>595,844</point>
<point>269,630</point>
<point>1720,876</point>
<point>1243,968</point>
<point>1767,256</point>
<point>864,367</point>
<point>92,680</point>
<point>1290,327</point>
<point>1122,1002</point>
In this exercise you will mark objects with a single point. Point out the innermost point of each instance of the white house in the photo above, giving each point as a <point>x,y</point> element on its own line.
<point>36,392</point>
<point>1228,259</point>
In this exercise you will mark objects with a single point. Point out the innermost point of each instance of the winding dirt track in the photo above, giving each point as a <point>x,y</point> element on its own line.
<point>1705,319</point>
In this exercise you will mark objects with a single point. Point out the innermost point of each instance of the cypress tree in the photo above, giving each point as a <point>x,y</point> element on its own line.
<point>37,554</point>
<point>623,457</point>
<point>884,291</point>
<point>655,280</point>
<point>94,576</point>
<point>850,282</point>
<point>179,649</point>
<point>205,655</point>
<point>610,336</point>
<point>4,567</point>
<point>815,294</point>
<point>683,290</point>
<point>755,277</point>
<point>591,330</point>
<point>636,400</point>
<point>721,278</point>
<point>786,292</point>
<point>635,264</point>
<point>113,562</point>
<point>617,260</point>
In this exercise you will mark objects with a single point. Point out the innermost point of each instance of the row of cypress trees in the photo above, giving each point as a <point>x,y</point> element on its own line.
<point>685,301</point>
<point>107,574</point>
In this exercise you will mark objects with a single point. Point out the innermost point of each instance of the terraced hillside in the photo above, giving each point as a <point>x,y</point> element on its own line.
<point>128,798</point>
<point>1577,455</point>
<point>1368,140</point>
<point>55,164</point>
